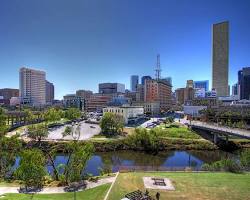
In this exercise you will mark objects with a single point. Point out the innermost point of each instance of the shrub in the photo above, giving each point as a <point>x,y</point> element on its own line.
<point>245,159</point>
<point>228,165</point>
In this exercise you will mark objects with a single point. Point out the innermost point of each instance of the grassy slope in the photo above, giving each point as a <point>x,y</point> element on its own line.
<point>97,193</point>
<point>214,186</point>
<point>173,132</point>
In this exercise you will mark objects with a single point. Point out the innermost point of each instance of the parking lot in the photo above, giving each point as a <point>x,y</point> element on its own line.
<point>87,131</point>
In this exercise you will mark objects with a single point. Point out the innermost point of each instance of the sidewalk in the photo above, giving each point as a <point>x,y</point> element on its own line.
<point>52,190</point>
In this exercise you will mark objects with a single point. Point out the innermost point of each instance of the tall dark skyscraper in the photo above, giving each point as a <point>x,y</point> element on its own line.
<point>144,78</point>
<point>244,83</point>
<point>220,58</point>
<point>134,80</point>
<point>50,92</point>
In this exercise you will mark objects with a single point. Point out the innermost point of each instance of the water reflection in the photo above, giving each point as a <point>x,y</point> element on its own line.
<point>113,160</point>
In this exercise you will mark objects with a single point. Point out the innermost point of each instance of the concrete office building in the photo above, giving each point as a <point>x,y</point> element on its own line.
<point>220,58</point>
<point>50,92</point>
<point>244,83</point>
<point>140,92</point>
<point>32,85</point>
<point>134,81</point>
<point>202,84</point>
<point>144,78</point>
<point>97,102</point>
<point>111,88</point>
<point>86,94</point>
<point>71,100</point>
<point>179,94</point>
<point>7,93</point>
<point>127,112</point>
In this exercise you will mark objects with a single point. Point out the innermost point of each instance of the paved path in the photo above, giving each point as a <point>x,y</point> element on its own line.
<point>52,190</point>
<point>106,196</point>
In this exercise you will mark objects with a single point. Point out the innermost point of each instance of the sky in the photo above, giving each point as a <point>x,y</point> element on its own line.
<point>81,43</point>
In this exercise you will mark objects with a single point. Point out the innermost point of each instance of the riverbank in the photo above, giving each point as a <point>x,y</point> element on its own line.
<point>107,145</point>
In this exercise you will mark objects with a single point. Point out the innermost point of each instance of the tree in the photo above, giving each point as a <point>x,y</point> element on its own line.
<point>9,147</point>
<point>146,140</point>
<point>30,117</point>
<point>3,126</point>
<point>78,156</point>
<point>112,123</point>
<point>72,113</point>
<point>38,131</point>
<point>32,168</point>
<point>52,115</point>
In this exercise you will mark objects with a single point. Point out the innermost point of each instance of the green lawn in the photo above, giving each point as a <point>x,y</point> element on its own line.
<point>97,193</point>
<point>194,186</point>
<point>176,132</point>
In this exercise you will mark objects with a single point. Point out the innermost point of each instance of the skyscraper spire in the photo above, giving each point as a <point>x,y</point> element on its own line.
<point>158,68</point>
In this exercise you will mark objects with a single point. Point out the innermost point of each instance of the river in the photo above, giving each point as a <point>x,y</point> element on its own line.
<point>167,159</point>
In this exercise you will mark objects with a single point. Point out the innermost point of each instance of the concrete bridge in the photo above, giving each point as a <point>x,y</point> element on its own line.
<point>216,130</point>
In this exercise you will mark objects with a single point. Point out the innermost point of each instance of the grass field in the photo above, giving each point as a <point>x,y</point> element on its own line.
<point>97,193</point>
<point>176,132</point>
<point>189,186</point>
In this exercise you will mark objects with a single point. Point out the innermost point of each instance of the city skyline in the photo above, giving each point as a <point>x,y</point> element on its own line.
<point>118,50</point>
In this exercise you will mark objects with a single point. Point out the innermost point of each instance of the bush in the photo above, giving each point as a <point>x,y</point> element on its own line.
<point>146,140</point>
<point>245,159</point>
<point>228,165</point>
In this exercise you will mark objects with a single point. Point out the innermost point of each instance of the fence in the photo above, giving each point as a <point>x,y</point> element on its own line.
<point>157,168</point>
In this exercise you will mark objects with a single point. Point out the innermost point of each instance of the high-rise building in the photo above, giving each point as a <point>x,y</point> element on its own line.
<point>220,58</point>
<point>235,88</point>
<point>134,80</point>
<point>158,91</point>
<point>144,78</point>
<point>32,85</point>
<point>244,83</point>
<point>202,85</point>
<point>111,88</point>
<point>50,92</point>
<point>179,93</point>
<point>140,93</point>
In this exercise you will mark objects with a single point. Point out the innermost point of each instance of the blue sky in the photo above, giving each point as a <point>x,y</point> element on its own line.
<point>81,43</point>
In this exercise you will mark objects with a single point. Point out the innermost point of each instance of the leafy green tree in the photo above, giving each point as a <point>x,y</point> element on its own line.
<point>78,156</point>
<point>52,115</point>
<point>112,123</point>
<point>9,148</point>
<point>32,168</point>
<point>3,126</point>
<point>78,153</point>
<point>30,117</point>
<point>72,113</point>
<point>146,140</point>
<point>38,131</point>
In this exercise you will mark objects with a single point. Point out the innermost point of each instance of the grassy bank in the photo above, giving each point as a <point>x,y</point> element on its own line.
<point>97,193</point>
<point>209,186</point>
